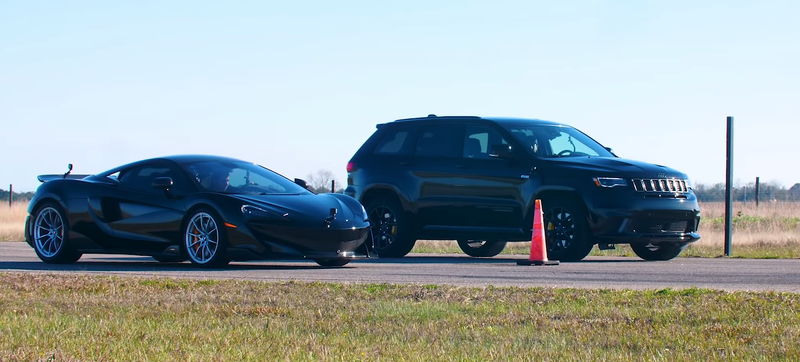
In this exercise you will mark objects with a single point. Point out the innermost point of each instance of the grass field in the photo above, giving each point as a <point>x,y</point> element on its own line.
<point>94,318</point>
<point>770,231</point>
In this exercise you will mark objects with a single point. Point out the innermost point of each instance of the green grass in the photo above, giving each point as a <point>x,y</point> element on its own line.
<point>65,318</point>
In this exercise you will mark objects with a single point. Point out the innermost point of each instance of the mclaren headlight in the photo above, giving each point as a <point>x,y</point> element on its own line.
<point>610,182</point>
<point>364,213</point>
<point>251,211</point>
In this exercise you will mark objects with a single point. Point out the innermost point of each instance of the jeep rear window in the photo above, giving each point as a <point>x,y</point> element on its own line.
<point>392,143</point>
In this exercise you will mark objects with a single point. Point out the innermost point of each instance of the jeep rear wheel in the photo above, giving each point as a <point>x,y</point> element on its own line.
<point>481,248</point>
<point>391,232</point>
<point>566,229</point>
<point>658,251</point>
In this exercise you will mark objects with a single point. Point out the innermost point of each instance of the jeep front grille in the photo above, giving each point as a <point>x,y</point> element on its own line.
<point>672,185</point>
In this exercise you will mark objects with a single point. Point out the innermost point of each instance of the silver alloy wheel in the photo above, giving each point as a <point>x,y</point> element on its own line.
<point>48,233</point>
<point>201,238</point>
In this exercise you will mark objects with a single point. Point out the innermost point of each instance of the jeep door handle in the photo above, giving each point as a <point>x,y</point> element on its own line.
<point>403,163</point>
<point>461,166</point>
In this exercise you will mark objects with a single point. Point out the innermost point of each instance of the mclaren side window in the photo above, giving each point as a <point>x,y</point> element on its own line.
<point>142,177</point>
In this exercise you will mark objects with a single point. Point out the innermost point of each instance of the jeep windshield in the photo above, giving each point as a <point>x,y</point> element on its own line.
<point>557,141</point>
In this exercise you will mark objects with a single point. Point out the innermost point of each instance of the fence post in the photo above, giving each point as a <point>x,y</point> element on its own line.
<point>333,186</point>
<point>757,192</point>
<point>728,188</point>
<point>10,194</point>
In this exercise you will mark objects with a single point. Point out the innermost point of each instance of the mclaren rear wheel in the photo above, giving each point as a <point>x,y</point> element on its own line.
<point>50,233</point>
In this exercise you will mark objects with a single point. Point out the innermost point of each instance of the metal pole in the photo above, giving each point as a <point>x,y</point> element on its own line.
<point>757,182</point>
<point>10,194</point>
<point>728,188</point>
<point>333,186</point>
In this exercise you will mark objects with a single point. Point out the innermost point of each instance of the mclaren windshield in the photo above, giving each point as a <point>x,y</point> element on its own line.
<point>556,141</point>
<point>236,177</point>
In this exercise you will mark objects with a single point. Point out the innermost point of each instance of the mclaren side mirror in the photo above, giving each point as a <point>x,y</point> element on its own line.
<point>162,183</point>
<point>303,184</point>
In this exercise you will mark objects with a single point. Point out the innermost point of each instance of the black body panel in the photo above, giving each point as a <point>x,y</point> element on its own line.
<point>114,212</point>
<point>471,190</point>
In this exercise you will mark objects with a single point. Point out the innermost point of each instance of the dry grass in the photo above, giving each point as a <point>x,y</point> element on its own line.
<point>772,229</point>
<point>770,223</point>
<point>99,318</point>
<point>12,221</point>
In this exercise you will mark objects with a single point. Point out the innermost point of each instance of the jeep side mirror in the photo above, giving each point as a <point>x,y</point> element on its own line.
<point>500,151</point>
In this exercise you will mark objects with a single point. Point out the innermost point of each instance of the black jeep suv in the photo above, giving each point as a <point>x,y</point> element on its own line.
<point>475,180</point>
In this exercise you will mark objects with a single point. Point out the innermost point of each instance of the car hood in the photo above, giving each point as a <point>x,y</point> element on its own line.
<point>303,206</point>
<point>611,166</point>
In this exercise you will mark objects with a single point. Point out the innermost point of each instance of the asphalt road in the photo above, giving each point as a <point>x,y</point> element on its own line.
<point>453,269</point>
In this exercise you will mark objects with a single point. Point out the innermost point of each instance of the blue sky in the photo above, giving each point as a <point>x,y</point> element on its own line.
<point>298,86</point>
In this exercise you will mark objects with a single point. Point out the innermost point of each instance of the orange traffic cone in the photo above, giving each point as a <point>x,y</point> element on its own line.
<point>538,245</point>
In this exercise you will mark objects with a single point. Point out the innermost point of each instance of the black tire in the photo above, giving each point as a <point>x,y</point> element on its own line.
<point>391,228</point>
<point>332,262</point>
<point>50,235</point>
<point>567,231</point>
<point>481,248</point>
<point>205,245</point>
<point>658,251</point>
<point>168,259</point>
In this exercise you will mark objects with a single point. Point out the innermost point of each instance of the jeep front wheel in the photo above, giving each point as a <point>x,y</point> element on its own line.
<point>567,232</point>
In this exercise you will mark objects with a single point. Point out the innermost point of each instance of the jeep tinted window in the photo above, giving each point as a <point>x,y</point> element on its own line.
<point>478,139</point>
<point>439,141</point>
<point>393,143</point>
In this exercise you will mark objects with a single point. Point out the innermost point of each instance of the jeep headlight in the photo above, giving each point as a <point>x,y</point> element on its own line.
<point>610,182</point>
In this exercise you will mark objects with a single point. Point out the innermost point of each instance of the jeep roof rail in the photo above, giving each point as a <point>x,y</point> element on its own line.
<point>435,116</point>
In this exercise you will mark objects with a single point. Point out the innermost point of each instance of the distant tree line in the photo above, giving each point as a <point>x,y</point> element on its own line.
<point>18,196</point>
<point>766,192</point>
<point>321,183</point>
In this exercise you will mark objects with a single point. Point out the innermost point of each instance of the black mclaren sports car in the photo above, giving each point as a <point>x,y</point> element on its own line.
<point>209,210</point>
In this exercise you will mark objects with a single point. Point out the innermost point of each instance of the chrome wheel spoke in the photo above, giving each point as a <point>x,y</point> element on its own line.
<point>201,233</point>
<point>48,232</point>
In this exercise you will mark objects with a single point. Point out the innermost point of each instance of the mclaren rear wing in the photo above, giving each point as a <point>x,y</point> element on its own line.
<point>45,178</point>
<point>69,175</point>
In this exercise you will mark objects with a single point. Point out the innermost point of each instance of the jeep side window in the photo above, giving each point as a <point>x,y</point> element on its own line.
<point>477,141</point>
<point>438,141</point>
<point>392,143</point>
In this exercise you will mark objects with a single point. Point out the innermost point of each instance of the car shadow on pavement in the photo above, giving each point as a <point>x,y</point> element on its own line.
<point>464,259</point>
<point>147,266</point>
